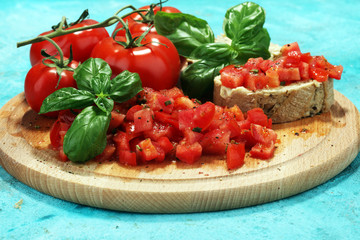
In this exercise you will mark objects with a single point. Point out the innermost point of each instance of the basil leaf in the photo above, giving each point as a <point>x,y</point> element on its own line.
<point>86,138</point>
<point>105,104</point>
<point>125,86</point>
<point>243,21</point>
<point>197,80</point>
<point>256,47</point>
<point>66,98</point>
<point>186,31</point>
<point>215,52</point>
<point>89,75</point>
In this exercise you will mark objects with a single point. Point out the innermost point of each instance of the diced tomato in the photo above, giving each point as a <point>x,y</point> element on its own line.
<point>165,144</point>
<point>116,120</point>
<point>188,153</point>
<point>130,113</point>
<point>265,65</point>
<point>290,48</point>
<point>272,78</point>
<point>232,126</point>
<point>147,150</point>
<point>235,155</point>
<point>126,157</point>
<point>254,63</point>
<point>262,134</point>
<point>245,124</point>
<point>232,79</point>
<point>318,74</point>
<point>130,130</point>
<point>171,119</point>
<point>318,62</point>
<point>289,74</point>
<point>191,136</point>
<point>235,111</point>
<point>161,152</point>
<point>121,140</point>
<point>306,57</point>
<point>173,93</point>
<point>161,103</point>
<point>159,130</point>
<point>304,71</point>
<point>200,117</point>
<point>262,151</point>
<point>215,141</point>
<point>257,116</point>
<point>106,154</point>
<point>182,103</point>
<point>62,155</point>
<point>293,59</point>
<point>334,71</point>
<point>143,120</point>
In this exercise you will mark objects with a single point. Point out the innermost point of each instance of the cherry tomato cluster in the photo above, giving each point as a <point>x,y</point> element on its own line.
<point>155,58</point>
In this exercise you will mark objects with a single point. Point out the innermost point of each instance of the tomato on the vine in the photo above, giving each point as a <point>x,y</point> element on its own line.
<point>43,80</point>
<point>82,42</point>
<point>156,59</point>
<point>138,24</point>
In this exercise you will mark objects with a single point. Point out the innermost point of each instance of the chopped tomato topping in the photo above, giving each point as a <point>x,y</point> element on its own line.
<point>169,125</point>
<point>291,67</point>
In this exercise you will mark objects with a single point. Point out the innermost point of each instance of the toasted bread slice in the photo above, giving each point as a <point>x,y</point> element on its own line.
<point>281,104</point>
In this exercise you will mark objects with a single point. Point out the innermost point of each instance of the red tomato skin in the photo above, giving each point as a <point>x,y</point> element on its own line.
<point>157,65</point>
<point>235,155</point>
<point>188,153</point>
<point>262,151</point>
<point>82,43</point>
<point>41,81</point>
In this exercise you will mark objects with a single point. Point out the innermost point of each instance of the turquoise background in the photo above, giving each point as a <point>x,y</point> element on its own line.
<point>329,211</point>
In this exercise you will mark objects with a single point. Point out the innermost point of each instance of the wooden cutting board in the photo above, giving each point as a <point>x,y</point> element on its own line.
<point>310,152</point>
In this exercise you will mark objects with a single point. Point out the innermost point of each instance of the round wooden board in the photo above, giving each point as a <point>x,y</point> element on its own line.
<point>310,152</point>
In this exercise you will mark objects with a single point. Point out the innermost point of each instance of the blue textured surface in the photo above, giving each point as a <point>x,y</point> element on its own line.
<point>329,211</point>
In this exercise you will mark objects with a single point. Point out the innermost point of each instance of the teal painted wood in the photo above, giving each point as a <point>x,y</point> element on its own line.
<point>329,211</point>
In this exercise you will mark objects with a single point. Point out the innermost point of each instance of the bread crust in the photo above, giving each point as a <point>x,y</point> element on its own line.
<point>281,104</point>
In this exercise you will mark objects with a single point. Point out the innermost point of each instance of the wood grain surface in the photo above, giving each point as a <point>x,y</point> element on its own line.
<point>310,152</point>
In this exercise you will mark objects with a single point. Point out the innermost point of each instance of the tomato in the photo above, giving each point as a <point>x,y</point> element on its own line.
<point>143,120</point>
<point>157,62</point>
<point>290,48</point>
<point>188,153</point>
<point>153,132</point>
<point>263,151</point>
<point>147,150</point>
<point>257,116</point>
<point>291,67</point>
<point>60,127</point>
<point>200,117</point>
<point>116,120</point>
<point>235,155</point>
<point>42,80</point>
<point>82,43</point>
<point>139,25</point>
<point>262,134</point>
<point>215,142</point>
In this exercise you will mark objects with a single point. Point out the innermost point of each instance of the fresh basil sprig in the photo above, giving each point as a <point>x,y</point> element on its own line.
<point>193,38</point>
<point>96,95</point>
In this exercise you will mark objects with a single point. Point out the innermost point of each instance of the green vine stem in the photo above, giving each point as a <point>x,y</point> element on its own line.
<point>60,30</point>
<point>61,54</point>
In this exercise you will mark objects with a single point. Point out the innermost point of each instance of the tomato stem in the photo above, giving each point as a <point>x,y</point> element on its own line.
<point>61,54</point>
<point>60,31</point>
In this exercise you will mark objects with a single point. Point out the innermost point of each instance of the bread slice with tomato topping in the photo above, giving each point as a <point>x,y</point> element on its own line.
<point>281,104</point>
<point>290,87</point>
